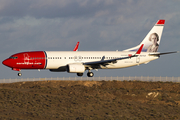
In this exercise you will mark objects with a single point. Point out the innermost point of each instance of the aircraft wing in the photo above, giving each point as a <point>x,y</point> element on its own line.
<point>106,62</point>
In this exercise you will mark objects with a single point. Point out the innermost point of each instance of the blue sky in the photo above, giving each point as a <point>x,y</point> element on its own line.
<point>98,25</point>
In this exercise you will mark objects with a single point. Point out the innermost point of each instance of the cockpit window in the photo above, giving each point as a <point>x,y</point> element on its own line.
<point>13,57</point>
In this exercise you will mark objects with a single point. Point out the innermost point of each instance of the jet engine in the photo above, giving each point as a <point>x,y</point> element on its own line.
<point>75,68</point>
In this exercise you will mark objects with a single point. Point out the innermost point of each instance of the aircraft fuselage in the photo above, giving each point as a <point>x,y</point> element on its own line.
<point>57,59</point>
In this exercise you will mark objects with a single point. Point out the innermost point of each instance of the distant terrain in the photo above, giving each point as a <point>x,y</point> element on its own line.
<point>89,100</point>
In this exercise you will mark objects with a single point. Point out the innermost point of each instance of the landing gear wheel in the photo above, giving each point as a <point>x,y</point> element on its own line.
<point>79,74</point>
<point>90,74</point>
<point>19,74</point>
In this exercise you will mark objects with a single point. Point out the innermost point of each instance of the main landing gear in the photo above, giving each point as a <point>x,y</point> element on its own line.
<point>89,74</point>
<point>79,74</point>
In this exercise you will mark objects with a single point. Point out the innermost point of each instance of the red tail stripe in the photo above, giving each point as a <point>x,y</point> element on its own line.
<point>160,22</point>
<point>140,49</point>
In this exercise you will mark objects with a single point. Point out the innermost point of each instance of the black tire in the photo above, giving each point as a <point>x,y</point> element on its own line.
<point>79,74</point>
<point>90,74</point>
<point>19,74</point>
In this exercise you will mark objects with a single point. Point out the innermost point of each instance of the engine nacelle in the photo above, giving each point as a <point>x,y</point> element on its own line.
<point>75,68</point>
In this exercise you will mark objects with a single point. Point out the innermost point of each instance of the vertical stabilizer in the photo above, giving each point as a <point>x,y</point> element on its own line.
<point>152,40</point>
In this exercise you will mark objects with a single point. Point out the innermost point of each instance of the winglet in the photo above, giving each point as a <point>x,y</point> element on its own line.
<point>140,49</point>
<point>76,47</point>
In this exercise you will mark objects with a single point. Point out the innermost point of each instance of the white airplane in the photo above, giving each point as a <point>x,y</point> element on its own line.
<point>80,61</point>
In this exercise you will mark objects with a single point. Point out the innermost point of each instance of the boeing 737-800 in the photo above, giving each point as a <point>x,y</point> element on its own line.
<point>80,61</point>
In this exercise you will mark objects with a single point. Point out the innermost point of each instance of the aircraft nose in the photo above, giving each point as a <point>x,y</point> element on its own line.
<point>6,62</point>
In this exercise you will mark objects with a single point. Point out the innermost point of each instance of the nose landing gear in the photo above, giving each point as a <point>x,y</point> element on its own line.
<point>19,70</point>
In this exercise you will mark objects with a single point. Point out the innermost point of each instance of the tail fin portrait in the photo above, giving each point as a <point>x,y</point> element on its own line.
<point>152,40</point>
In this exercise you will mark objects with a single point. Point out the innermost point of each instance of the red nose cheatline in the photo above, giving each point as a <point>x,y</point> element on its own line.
<point>7,63</point>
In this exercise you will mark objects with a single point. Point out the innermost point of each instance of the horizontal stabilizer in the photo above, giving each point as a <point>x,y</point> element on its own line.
<point>158,54</point>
